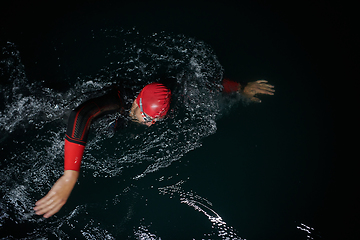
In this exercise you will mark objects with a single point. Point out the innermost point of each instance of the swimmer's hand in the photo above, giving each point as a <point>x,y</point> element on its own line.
<point>58,195</point>
<point>257,87</point>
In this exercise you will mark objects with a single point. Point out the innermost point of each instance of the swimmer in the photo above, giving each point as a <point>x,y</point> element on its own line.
<point>148,107</point>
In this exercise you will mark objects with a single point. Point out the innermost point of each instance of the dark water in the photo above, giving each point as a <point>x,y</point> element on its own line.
<point>216,169</point>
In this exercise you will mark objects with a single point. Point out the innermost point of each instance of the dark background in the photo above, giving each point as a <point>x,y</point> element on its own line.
<point>324,31</point>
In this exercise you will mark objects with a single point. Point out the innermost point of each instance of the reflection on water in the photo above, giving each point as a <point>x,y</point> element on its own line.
<point>143,233</point>
<point>309,232</point>
<point>204,206</point>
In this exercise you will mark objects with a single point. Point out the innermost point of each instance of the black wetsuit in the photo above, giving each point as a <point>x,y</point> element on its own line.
<point>115,100</point>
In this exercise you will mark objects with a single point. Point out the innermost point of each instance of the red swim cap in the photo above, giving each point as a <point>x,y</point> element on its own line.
<point>155,99</point>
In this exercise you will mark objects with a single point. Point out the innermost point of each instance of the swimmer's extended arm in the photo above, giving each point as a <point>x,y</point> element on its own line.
<point>250,89</point>
<point>75,140</point>
<point>58,195</point>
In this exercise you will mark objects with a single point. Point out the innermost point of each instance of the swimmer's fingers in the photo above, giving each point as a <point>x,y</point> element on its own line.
<point>47,197</point>
<point>42,203</point>
<point>50,207</point>
<point>46,202</point>
<point>264,88</point>
<point>261,81</point>
<point>54,210</point>
<point>255,99</point>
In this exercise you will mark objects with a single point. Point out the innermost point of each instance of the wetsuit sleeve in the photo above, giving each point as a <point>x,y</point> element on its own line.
<point>79,123</point>
<point>230,86</point>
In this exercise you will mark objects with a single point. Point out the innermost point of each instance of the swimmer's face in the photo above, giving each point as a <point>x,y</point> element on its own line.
<point>135,114</point>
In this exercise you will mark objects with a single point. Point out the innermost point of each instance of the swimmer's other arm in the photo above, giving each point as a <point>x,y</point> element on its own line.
<point>250,89</point>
